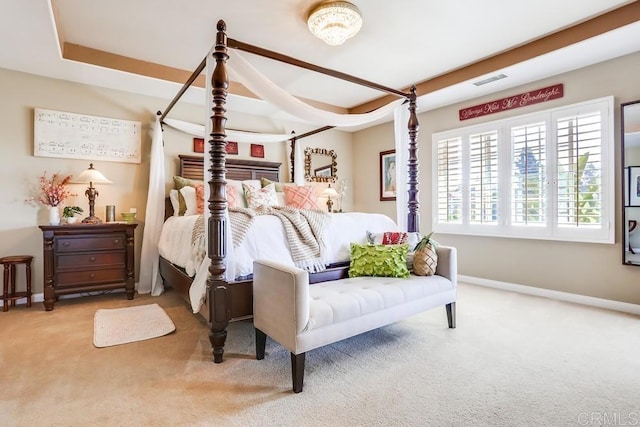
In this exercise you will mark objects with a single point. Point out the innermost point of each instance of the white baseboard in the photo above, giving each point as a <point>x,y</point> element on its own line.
<point>557,295</point>
<point>40,297</point>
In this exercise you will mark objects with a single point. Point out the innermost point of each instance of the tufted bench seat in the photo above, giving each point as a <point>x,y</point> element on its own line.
<point>303,317</point>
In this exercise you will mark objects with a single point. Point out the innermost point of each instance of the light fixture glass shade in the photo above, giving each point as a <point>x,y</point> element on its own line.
<point>334,22</point>
<point>91,175</point>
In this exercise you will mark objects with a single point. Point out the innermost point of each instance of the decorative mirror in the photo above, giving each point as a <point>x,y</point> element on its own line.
<point>320,165</point>
<point>631,182</point>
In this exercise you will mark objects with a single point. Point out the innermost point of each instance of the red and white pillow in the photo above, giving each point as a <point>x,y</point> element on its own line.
<point>257,197</point>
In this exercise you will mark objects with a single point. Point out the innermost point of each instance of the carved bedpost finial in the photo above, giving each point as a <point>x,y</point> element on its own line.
<point>221,26</point>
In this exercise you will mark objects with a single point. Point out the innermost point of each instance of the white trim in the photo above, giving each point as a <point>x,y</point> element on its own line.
<point>40,297</point>
<point>556,295</point>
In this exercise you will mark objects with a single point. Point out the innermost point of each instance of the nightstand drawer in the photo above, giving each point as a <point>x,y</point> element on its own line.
<point>75,278</point>
<point>94,243</point>
<point>91,260</point>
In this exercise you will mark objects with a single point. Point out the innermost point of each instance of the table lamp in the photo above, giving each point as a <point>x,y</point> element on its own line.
<point>329,193</point>
<point>91,176</point>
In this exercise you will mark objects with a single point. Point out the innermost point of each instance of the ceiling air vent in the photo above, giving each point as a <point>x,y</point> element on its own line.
<point>490,79</point>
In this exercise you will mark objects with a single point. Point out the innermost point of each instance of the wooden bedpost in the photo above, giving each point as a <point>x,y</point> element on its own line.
<point>413,217</point>
<point>217,286</point>
<point>292,157</point>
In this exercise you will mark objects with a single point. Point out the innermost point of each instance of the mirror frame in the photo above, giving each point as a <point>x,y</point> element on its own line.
<point>307,165</point>
<point>625,186</point>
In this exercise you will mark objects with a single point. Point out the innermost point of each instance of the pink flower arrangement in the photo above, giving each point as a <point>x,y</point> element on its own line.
<point>53,191</point>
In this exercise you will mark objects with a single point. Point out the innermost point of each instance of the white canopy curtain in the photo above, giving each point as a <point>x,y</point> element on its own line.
<point>150,280</point>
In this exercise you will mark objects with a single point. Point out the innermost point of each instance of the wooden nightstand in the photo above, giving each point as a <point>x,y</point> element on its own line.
<point>87,257</point>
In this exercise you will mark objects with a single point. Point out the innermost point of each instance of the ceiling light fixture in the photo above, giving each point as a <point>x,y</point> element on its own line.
<point>334,21</point>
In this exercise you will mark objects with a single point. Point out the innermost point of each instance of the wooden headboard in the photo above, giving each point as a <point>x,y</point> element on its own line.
<point>192,167</point>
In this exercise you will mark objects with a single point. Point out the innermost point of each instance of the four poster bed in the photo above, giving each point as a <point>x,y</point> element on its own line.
<point>227,299</point>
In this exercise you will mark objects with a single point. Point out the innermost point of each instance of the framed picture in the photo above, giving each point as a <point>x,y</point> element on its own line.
<point>232,147</point>
<point>198,145</point>
<point>257,150</point>
<point>625,182</point>
<point>323,171</point>
<point>388,175</point>
<point>634,186</point>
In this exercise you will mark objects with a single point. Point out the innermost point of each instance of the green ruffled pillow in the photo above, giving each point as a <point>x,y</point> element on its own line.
<point>378,260</point>
<point>279,185</point>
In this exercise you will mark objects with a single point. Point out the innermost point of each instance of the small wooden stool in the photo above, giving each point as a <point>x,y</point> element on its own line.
<point>9,263</point>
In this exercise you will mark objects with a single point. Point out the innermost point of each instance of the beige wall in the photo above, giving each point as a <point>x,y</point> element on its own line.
<point>21,93</point>
<point>587,269</point>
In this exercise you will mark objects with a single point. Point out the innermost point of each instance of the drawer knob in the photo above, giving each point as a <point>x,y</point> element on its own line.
<point>116,241</point>
<point>92,276</point>
<point>92,259</point>
<point>65,244</point>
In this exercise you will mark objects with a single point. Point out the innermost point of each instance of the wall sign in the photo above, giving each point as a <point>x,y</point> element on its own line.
<point>516,101</point>
<point>79,136</point>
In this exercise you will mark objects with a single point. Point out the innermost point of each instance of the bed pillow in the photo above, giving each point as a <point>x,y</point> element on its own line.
<point>280,186</point>
<point>397,237</point>
<point>301,197</point>
<point>280,201</point>
<point>189,195</point>
<point>232,197</point>
<point>257,197</point>
<point>175,203</point>
<point>378,260</point>
<point>199,198</point>
<point>178,183</point>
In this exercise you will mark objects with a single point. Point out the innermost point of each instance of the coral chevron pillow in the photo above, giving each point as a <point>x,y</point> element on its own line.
<point>301,197</point>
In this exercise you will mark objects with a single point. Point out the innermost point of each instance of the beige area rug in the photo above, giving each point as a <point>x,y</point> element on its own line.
<point>130,324</point>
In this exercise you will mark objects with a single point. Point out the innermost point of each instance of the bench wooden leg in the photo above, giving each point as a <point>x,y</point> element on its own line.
<point>297,371</point>
<point>261,342</point>
<point>451,314</point>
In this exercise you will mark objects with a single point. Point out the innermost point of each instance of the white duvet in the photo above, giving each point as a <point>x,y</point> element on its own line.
<point>266,240</point>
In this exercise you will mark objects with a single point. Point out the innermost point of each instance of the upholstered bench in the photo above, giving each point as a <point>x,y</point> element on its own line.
<point>302,317</point>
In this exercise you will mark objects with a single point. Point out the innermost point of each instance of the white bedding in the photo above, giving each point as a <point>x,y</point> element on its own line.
<point>266,240</point>
<point>175,242</point>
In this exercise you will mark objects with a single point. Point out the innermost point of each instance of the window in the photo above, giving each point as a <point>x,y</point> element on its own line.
<point>547,175</point>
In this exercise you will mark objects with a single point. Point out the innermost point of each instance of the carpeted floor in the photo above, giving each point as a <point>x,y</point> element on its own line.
<point>514,360</point>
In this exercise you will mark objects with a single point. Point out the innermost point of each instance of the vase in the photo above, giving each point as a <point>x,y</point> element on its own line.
<point>54,215</point>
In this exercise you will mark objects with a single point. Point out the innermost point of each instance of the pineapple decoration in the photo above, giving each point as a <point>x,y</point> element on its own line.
<point>425,259</point>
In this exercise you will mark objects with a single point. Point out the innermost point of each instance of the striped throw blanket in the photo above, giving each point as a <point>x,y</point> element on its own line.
<point>304,230</point>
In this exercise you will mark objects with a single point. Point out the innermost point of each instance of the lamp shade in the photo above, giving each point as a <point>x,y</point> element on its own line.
<point>91,175</point>
<point>330,192</point>
<point>334,22</point>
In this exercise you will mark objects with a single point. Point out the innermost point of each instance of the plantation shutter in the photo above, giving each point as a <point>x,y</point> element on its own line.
<point>449,181</point>
<point>528,171</point>
<point>579,170</point>
<point>483,178</point>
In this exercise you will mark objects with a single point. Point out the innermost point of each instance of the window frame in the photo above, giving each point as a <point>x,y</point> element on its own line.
<point>552,229</point>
